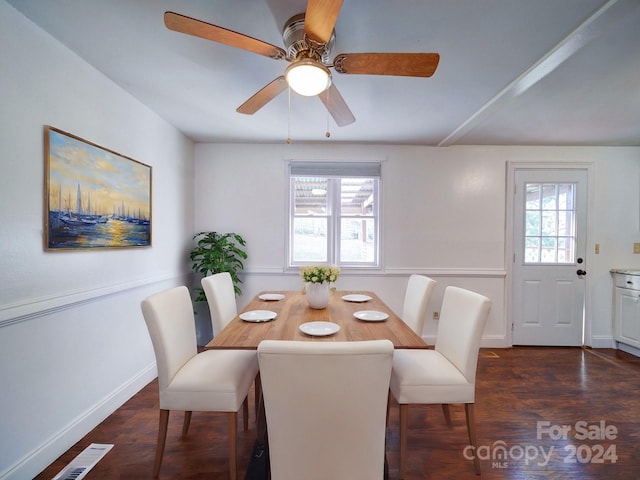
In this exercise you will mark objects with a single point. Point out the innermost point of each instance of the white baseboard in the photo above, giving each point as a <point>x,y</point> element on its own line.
<point>501,341</point>
<point>40,458</point>
<point>602,341</point>
<point>493,341</point>
<point>629,349</point>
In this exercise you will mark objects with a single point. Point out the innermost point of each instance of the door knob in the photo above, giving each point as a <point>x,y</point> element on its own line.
<point>581,273</point>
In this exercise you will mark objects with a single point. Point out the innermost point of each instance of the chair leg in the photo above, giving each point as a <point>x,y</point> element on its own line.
<point>447,414</point>
<point>187,422</point>
<point>404,412</point>
<point>233,421</point>
<point>471,428</point>
<point>245,413</point>
<point>162,437</point>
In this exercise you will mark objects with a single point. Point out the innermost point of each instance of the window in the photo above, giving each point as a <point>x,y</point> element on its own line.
<point>550,232</point>
<point>334,213</point>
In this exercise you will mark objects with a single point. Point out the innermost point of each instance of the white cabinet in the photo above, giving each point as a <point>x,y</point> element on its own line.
<point>627,309</point>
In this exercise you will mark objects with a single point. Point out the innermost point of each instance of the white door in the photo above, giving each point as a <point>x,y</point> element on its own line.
<point>549,227</point>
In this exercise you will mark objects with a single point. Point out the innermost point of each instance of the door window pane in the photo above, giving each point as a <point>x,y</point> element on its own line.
<point>532,201</point>
<point>550,223</point>
<point>549,197</point>
<point>532,250</point>
<point>533,222</point>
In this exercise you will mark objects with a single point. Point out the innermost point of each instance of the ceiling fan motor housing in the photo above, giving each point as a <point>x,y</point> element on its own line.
<point>297,46</point>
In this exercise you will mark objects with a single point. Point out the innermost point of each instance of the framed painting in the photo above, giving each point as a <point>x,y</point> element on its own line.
<point>94,197</point>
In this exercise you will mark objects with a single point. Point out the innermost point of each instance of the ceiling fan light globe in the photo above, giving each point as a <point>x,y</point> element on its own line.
<point>308,78</point>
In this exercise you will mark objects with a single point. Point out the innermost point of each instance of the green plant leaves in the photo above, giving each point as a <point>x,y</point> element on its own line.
<point>218,252</point>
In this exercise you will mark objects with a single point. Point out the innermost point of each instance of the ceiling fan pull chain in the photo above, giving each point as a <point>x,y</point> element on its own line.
<point>328,133</point>
<point>289,116</point>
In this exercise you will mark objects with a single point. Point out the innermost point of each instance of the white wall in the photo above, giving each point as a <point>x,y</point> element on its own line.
<point>73,344</point>
<point>444,215</point>
<point>617,227</point>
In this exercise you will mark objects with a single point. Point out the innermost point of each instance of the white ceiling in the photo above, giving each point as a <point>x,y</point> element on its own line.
<point>512,72</point>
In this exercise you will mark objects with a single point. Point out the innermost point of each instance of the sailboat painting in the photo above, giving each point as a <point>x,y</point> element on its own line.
<point>94,197</point>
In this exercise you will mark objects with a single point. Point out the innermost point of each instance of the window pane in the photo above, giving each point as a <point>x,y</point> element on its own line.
<point>310,195</point>
<point>548,242</point>
<point>310,239</point>
<point>549,223</point>
<point>548,253</point>
<point>532,250</point>
<point>533,196</point>
<point>565,250</point>
<point>565,223</point>
<point>357,240</point>
<point>356,196</point>
<point>549,197</point>
<point>533,223</point>
<point>566,196</point>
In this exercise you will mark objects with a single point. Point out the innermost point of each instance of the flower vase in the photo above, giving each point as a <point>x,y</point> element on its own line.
<point>318,295</point>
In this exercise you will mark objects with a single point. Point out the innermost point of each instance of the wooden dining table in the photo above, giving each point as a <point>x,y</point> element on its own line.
<point>293,310</point>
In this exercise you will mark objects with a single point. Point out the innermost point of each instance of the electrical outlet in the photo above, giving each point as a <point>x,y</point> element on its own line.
<point>636,248</point>
<point>436,315</point>
<point>597,249</point>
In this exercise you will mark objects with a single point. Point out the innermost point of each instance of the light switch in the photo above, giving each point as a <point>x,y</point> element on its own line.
<point>636,248</point>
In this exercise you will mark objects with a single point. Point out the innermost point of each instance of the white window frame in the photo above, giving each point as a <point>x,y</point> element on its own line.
<point>334,171</point>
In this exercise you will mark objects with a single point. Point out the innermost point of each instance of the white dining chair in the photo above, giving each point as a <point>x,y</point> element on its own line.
<point>210,381</point>
<point>326,407</point>
<point>446,374</point>
<point>221,297</point>
<point>416,299</point>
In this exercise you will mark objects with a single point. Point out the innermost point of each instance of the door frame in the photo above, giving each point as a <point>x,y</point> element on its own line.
<point>512,167</point>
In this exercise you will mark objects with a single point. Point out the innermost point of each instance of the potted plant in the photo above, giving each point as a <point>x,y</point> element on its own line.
<point>215,253</point>
<point>317,279</point>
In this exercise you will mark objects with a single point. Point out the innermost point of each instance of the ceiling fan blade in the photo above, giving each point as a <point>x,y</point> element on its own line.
<point>263,96</point>
<point>320,18</point>
<point>402,64</point>
<point>198,28</point>
<point>337,106</point>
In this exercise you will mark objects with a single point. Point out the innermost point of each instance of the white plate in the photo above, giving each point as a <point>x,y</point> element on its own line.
<point>258,315</point>
<point>319,329</point>
<point>371,315</point>
<point>356,298</point>
<point>271,297</point>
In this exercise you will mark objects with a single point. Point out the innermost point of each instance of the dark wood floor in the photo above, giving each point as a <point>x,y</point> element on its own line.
<point>516,389</point>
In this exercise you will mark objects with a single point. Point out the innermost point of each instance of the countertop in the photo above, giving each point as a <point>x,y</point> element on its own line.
<point>626,271</point>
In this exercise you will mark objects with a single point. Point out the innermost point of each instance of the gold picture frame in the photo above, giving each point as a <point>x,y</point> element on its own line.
<point>93,197</point>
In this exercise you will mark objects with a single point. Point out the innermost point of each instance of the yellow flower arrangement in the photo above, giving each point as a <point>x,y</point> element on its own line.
<point>319,273</point>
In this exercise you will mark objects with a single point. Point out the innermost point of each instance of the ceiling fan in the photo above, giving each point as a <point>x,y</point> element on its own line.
<point>309,38</point>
